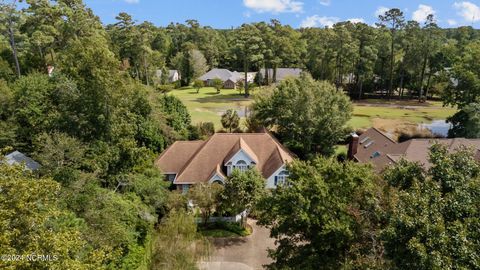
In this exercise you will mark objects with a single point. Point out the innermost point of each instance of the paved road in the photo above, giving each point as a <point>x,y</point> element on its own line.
<point>243,253</point>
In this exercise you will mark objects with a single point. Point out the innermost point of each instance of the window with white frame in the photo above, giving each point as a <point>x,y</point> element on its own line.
<point>281,178</point>
<point>241,165</point>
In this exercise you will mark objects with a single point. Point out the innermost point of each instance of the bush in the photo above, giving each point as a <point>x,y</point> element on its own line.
<point>233,227</point>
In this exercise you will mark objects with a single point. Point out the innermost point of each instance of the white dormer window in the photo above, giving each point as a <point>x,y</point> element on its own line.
<point>281,178</point>
<point>241,165</point>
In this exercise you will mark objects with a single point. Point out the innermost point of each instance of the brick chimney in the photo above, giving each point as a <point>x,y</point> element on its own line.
<point>352,146</point>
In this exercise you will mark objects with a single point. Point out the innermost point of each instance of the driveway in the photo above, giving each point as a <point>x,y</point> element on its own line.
<point>242,253</point>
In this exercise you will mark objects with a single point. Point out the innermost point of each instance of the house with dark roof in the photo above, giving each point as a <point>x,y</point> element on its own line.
<point>186,163</point>
<point>377,148</point>
<point>229,78</point>
<point>18,158</point>
<point>281,73</point>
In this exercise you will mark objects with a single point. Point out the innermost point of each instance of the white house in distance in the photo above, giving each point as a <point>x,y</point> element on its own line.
<point>173,75</point>
<point>186,163</point>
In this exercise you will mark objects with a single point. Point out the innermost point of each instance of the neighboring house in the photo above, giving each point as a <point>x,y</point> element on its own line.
<point>229,78</point>
<point>190,162</point>
<point>375,147</point>
<point>18,158</point>
<point>282,73</point>
<point>173,75</point>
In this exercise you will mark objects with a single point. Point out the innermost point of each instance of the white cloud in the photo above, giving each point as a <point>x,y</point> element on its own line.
<point>451,22</point>
<point>381,11</point>
<point>132,1</point>
<point>325,2</point>
<point>356,20</point>
<point>468,11</point>
<point>274,6</point>
<point>420,15</point>
<point>317,21</point>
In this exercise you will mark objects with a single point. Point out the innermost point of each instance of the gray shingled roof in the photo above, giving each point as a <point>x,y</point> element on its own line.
<point>17,158</point>
<point>222,74</point>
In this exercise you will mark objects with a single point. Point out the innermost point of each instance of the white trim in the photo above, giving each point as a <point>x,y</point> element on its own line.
<point>245,153</point>
<point>219,178</point>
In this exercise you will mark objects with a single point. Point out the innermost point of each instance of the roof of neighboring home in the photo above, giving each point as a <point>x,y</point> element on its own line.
<point>377,148</point>
<point>16,158</point>
<point>222,74</point>
<point>282,73</point>
<point>201,160</point>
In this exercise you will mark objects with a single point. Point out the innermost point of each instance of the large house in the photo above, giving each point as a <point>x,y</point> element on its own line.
<point>187,163</point>
<point>229,78</point>
<point>281,73</point>
<point>173,75</point>
<point>377,148</point>
<point>18,158</point>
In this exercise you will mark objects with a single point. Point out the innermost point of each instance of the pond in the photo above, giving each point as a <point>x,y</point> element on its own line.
<point>437,127</point>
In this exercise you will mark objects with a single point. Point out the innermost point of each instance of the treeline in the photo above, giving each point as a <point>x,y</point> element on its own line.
<point>396,58</point>
<point>95,131</point>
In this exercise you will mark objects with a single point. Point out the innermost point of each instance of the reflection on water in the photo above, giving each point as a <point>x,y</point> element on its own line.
<point>437,127</point>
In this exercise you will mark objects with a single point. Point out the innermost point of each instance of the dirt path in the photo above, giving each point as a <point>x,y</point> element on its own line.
<point>243,253</point>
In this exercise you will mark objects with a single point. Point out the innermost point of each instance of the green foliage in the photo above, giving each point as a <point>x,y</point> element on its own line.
<point>230,120</point>
<point>466,122</point>
<point>26,201</point>
<point>206,197</point>
<point>224,229</point>
<point>309,116</point>
<point>404,174</point>
<point>197,84</point>
<point>217,84</point>
<point>33,113</point>
<point>467,71</point>
<point>326,217</point>
<point>61,156</point>
<point>176,113</point>
<point>178,244</point>
<point>206,129</point>
<point>434,223</point>
<point>242,191</point>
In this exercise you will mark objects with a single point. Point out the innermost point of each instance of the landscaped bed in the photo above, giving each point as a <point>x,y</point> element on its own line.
<point>224,229</point>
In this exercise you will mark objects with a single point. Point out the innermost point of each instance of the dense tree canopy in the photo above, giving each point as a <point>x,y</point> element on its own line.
<point>309,116</point>
<point>434,223</point>
<point>325,217</point>
<point>83,99</point>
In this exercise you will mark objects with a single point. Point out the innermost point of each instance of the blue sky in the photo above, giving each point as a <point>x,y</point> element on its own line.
<point>297,13</point>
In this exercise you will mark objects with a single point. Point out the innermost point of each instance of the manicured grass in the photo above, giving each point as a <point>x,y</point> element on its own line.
<point>208,106</point>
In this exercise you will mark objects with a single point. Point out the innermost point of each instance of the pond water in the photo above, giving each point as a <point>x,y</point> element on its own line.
<point>437,127</point>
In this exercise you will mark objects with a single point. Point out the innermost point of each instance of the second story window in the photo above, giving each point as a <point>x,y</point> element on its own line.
<point>241,166</point>
<point>281,178</point>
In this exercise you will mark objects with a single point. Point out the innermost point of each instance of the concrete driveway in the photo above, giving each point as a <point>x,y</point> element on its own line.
<point>242,253</point>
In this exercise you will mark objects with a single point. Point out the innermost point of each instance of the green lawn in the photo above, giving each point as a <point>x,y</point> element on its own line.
<point>208,106</point>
